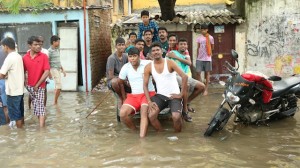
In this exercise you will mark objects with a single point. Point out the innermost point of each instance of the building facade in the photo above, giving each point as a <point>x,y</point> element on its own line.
<point>269,41</point>
<point>222,24</point>
<point>85,39</point>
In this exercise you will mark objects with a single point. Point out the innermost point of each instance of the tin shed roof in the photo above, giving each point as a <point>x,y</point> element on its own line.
<point>55,8</point>
<point>209,17</point>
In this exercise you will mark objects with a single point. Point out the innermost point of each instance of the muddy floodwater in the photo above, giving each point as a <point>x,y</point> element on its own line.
<point>71,140</point>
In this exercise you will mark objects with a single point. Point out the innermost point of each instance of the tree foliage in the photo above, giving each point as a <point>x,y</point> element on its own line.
<point>14,6</point>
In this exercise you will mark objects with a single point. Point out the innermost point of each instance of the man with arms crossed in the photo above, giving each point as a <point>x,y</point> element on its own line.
<point>36,64</point>
<point>164,72</point>
<point>14,70</point>
<point>136,101</point>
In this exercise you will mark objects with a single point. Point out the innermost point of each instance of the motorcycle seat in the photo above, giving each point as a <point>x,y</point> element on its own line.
<point>280,87</point>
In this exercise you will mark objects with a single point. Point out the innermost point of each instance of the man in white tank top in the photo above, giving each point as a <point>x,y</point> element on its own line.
<point>164,72</point>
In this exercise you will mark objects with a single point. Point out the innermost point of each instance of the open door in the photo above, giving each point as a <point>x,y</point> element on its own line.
<point>68,56</point>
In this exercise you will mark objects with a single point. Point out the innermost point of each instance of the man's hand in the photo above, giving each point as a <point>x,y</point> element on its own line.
<point>50,76</point>
<point>35,88</point>
<point>153,106</point>
<point>176,96</point>
<point>171,55</point>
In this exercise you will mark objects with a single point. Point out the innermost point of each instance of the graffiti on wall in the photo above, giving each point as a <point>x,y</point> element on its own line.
<point>276,40</point>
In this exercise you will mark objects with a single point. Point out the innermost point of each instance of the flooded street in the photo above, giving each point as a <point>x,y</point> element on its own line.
<point>71,140</point>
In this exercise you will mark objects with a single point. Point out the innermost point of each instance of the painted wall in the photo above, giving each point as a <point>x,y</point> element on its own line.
<point>54,18</point>
<point>138,4</point>
<point>116,14</point>
<point>273,36</point>
<point>240,46</point>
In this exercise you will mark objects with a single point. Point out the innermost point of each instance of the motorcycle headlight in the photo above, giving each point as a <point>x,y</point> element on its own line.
<point>232,98</point>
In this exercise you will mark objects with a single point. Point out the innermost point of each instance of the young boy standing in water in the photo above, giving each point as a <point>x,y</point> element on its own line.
<point>204,50</point>
<point>55,64</point>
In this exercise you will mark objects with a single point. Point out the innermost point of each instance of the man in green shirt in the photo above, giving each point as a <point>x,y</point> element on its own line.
<point>163,39</point>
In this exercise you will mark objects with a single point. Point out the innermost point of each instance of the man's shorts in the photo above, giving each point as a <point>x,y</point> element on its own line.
<point>3,93</point>
<point>135,101</point>
<point>37,98</point>
<point>15,106</point>
<point>55,73</point>
<point>164,102</point>
<point>203,66</point>
<point>191,83</point>
<point>2,117</point>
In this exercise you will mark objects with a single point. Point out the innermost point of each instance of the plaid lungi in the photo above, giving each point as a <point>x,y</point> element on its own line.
<point>37,98</point>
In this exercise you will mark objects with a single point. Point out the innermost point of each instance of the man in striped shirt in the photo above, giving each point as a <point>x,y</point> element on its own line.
<point>56,68</point>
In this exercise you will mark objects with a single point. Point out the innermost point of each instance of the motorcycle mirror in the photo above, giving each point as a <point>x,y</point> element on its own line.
<point>234,54</point>
<point>274,78</point>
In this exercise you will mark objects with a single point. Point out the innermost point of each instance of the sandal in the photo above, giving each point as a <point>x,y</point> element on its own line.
<point>187,117</point>
<point>190,109</point>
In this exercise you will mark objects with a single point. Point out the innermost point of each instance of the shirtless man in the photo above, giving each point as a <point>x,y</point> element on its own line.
<point>164,72</point>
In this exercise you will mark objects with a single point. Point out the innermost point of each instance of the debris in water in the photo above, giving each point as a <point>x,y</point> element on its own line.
<point>111,124</point>
<point>173,138</point>
<point>224,138</point>
<point>12,124</point>
<point>76,119</point>
<point>95,112</point>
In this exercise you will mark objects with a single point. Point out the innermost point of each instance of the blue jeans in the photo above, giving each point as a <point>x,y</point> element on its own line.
<point>2,115</point>
<point>2,92</point>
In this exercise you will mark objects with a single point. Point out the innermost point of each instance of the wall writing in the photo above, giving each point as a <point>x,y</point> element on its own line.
<point>276,40</point>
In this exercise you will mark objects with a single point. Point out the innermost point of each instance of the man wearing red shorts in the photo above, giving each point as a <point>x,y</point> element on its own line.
<point>136,101</point>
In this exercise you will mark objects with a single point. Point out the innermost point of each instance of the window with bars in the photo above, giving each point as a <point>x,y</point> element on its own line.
<point>121,6</point>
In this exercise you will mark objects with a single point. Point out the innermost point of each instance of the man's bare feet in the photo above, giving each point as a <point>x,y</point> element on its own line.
<point>205,93</point>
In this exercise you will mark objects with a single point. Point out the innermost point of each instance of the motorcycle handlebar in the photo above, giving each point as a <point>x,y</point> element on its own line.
<point>229,67</point>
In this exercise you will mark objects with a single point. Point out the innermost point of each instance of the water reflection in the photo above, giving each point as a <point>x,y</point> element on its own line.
<point>71,140</point>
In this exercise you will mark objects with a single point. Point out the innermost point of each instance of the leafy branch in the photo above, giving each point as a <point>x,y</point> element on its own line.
<point>14,6</point>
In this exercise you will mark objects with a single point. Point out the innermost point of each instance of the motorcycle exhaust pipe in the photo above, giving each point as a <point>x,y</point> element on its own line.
<point>272,111</point>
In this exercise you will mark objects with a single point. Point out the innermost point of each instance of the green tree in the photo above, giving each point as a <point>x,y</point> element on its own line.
<point>14,6</point>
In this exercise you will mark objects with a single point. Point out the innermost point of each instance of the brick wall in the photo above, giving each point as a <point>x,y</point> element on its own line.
<point>100,42</point>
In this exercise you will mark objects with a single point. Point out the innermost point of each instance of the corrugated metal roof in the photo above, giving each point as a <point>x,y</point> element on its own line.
<point>56,8</point>
<point>209,17</point>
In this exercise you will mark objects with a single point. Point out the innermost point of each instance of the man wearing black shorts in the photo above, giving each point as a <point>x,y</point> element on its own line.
<point>164,72</point>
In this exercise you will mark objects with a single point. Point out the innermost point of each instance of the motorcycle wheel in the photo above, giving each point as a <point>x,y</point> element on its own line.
<point>213,125</point>
<point>218,121</point>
